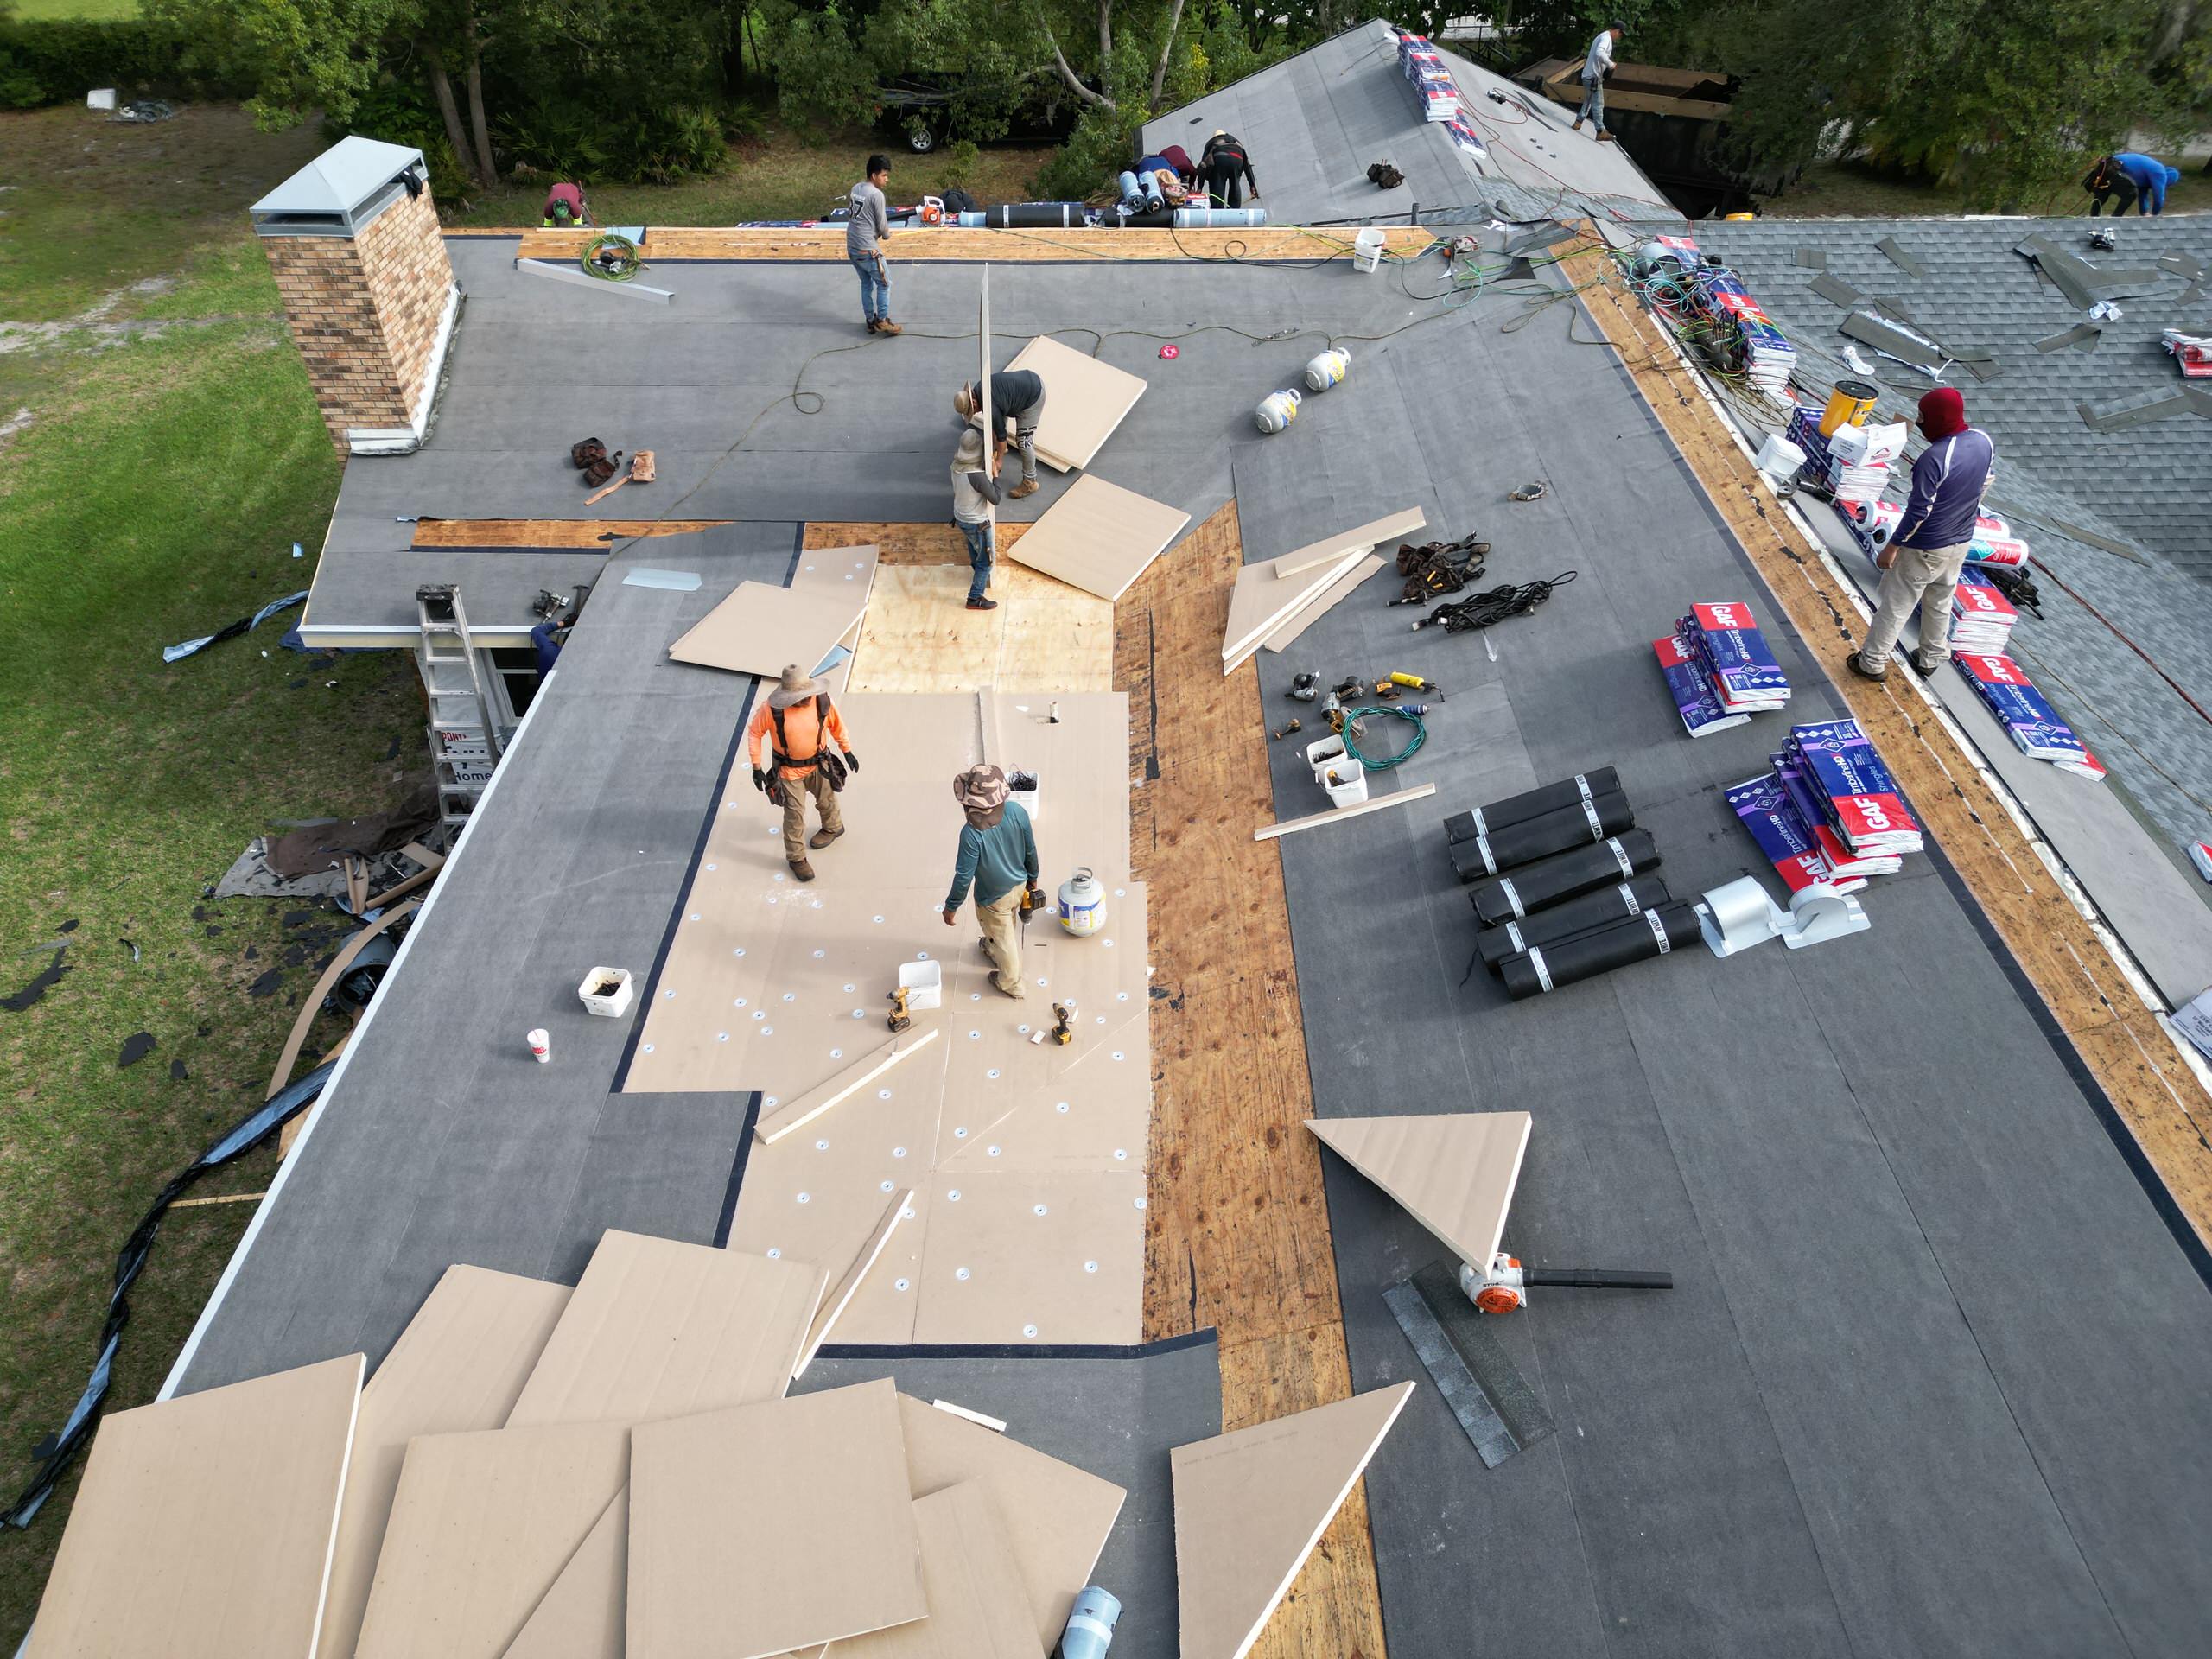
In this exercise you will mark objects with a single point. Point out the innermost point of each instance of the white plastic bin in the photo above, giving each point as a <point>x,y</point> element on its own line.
<point>1367,250</point>
<point>1329,758</point>
<point>1029,789</point>
<point>607,992</point>
<point>923,984</point>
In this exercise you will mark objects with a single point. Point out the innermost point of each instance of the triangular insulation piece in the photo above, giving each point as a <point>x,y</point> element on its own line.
<point>1453,1171</point>
<point>1249,1507</point>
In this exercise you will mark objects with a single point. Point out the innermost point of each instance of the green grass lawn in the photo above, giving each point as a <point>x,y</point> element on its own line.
<point>94,10</point>
<point>153,496</point>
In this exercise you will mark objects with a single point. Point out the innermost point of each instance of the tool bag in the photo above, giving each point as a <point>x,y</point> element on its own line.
<point>597,472</point>
<point>584,451</point>
<point>1385,176</point>
<point>832,764</point>
<point>1438,567</point>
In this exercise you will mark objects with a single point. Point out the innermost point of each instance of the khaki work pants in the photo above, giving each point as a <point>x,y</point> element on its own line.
<point>1001,921</point>
<point>1922,576</point>
<point>797,792</point>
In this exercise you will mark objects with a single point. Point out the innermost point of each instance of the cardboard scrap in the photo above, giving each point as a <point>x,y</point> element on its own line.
<point>772,1527</point>
<point>176,1495</point>
<point>1249,1507</point>
<point>1453,1171</point>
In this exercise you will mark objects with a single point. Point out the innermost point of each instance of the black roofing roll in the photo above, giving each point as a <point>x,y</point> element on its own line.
<point>1466,826</point>
<point>1563,876</point>
<point>1634,938</point>
<point>1563,921</point>
<point>1036,215</point>
<point>1539,837</point>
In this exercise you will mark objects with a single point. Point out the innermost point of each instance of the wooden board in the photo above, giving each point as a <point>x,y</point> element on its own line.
<point>1453,1171</point>
<point>580,1617</point>
<point>1262,602</point>
<point>460,1364</point>
<point>1099,537</point>
<point>1361,538</point>
<point>177,1495</point>
<point>482,1525</point>
<point>1063,1514</point>
<point>659,1328</point>
<point>1338,814</point>
<point>774,1126</point>
<point>978,1608</point>
<point>1312,610</point>
<point>1251,1505</point>
<point>1084,401</point>
<point>573,535</point>
<point>772,1527</point>
<point>758,629</point>
<point>965,245</point>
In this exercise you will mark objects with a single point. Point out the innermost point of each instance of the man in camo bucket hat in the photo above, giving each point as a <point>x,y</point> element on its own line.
<point>998,859</point>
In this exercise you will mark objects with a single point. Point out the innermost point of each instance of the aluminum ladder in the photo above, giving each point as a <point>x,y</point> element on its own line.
<point>465,740</point>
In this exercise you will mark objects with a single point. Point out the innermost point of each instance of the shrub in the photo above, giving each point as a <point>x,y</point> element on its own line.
<point>59,60</point>
<point>956,165</point>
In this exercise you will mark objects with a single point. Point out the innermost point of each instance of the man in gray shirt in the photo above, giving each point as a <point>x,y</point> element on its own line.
<point>865,230</point>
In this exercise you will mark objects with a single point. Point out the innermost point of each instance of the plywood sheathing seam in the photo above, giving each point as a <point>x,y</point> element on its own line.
<point>1237,1230</point>
<point>579,535</point>
<point>2118,1038</point>
<point>177,1494</point>
<point>675,243</point>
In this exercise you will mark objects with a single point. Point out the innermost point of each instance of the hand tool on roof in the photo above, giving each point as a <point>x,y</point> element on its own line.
<point>1306,686</point>
<point>641,471</point>
<point>1063,1023</point>
<point>1414,683</point>
<point>1505,1285</point>
<point>1287,730</point>
<point>900,1018</point>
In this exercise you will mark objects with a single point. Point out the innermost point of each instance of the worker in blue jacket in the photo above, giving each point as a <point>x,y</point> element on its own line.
<point>1922,564</point>
<point>2150,176</point>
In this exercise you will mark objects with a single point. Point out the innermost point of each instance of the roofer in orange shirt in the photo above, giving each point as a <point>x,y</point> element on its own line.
<point>798,714</point>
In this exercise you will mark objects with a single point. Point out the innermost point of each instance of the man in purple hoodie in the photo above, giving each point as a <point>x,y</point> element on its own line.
<point>1922,563</point>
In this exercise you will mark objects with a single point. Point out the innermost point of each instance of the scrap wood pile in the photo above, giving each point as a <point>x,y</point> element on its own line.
<point>620,1469</point>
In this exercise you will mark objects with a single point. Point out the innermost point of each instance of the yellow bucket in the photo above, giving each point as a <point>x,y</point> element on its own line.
<point>1849,404</point>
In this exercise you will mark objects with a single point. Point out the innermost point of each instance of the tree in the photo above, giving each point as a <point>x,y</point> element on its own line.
<point>299,54</point>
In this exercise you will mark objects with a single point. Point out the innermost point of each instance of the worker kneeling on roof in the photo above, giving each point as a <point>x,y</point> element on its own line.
<point>998,857</point>
<point>564,206</point>
<point>804,723</point>
<point>1017,396</point>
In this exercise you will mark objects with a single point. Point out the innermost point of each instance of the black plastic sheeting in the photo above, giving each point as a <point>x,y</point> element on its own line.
<point>1563,921</point>
<point>1564,875</point>
<point>55,1452</point>
<point>1532,838</point>
<point>1531,803</point>
<point>1634,938</point>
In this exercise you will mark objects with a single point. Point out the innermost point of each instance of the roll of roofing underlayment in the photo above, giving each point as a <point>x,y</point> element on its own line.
<point>1217,219</point>
<point>1563,876</point>
<point>1028,215</point>
<point>1575,916</point>
<point>1540,838</point>
<point>1634,938</point>
<point>1547,798</point>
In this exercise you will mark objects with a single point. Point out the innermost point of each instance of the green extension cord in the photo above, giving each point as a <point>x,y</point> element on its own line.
<point>1352,748</point>
<point>623,261</point>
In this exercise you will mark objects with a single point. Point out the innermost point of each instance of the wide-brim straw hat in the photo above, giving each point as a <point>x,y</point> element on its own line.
<point>795,686</point>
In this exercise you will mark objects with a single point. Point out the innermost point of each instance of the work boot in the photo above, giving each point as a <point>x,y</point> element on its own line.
<point>1876,675</point>
<point>1604,138</point>
<point>875,325</point>
<point>802,869</point>
<point>1017,994</point>
<point>821,838</point>
<point>1027,487</point>
<point>884,325</point>
<point>982,604</point>
<point>1576,127</point>
<point>1921,666</point>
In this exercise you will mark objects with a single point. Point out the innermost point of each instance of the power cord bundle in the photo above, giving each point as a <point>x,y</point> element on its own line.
<point>1485,610</point>
<point>1355,718</point>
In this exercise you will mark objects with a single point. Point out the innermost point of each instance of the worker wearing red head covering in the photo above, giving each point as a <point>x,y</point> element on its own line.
<point>1923,561</point>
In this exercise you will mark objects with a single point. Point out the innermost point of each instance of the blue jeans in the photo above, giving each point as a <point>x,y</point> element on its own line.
<point>1593,103</point>
<point>875,287</point>
<point>979,557</point>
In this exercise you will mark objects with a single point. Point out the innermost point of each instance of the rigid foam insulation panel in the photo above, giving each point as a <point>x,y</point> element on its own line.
<point>1099,537</point>
<point>482,1525</point>
<point>1453,1171</point>
<point>1534,803</point>
<point>1361,538</point>
<point>1249,1507</point>
<point>1637,938</point>
<point>1514,844</point>
<point>1084,401</point>
<point>1261,602</point>
<point>182,1499</point>
<point>758,629</point>
<point>772,1527</point>
<point>661,1328</point>
<point>580,1617</point>
<point>1564,920</point>
<point>460,1364</point>
<point>1311,612</point>
<point>1563,876</point>
<point>978,1608</point>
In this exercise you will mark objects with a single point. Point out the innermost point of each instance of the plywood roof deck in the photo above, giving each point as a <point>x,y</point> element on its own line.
<point>826,243</point>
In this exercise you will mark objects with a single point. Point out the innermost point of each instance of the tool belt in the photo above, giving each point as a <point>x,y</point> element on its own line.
<point>824,759</point>
<point>1438,567</point>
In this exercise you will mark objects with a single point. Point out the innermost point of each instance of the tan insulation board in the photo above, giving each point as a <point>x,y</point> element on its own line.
<point>1453,1171</point>
<point>978,1607</point>
<point>1361,538</point>
<point>787,1119</point>
<point>1314,608</point>
<point>1084,401</point>
<point>460,1364</point>
<point>1338,814</point>
<point>1249,1507</point>
<point>1261,602</point>
<point>580,1617</point>
<point>760,628</point>
<point>482,1526</point>
<point>1017,1257</point>
<point>1082,761</point>
<point>772,1527</point>
<point>841,1297</point>
<point>1061,1514</point>
<point>1099,537</point>
<point>203,1529</point>
<point>661,1328</point>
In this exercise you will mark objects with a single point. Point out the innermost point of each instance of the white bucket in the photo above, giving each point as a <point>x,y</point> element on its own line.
<point>1328,758</point>
<point>1779,457</point>
<point>1367,250</point>
<point>1029,789</point>
<point>923,984</point>
<point>607,992</point>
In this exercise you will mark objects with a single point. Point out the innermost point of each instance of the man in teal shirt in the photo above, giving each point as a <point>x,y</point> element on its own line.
<point>998,858</point>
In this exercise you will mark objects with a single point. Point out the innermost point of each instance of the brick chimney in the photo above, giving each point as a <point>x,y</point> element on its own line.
<point>368,291</point>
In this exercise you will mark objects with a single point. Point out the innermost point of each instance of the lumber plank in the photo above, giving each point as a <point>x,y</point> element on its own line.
<point>1261,603</point>
<point>578,535</point>
<point>1312,610</point>
<point>808,1107</point>
<point>1365,537</point>
<point>1338,814</point>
